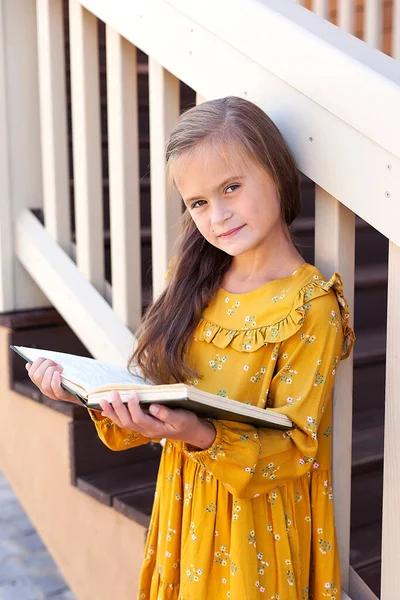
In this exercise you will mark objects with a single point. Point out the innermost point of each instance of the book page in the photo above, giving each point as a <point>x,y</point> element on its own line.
<point>86,372</point>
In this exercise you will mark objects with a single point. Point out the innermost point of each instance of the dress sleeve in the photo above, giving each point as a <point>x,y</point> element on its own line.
<point>251,461</point>
<point>114,437</point>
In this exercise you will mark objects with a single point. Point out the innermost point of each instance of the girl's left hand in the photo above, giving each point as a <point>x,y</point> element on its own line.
<point>163,422</point>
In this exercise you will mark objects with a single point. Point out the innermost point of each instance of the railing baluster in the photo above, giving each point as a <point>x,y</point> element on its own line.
<point>373,23</point>
<point>334,251</point>
<point>321,8</point>
<point>165,207</point>
<point>346,15</point>
<point>396,30</point>
<point>86,144</point>
<point>20,152</point>
<point>53,119</point>
<point>391,475</point>
<point>123,148</point>
<point>199,98</point>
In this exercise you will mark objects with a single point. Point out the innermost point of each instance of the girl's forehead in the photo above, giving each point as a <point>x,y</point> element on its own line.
<point>209,164</point>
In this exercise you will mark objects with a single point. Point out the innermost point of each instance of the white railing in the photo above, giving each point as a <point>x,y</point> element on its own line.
<point>334,98</point>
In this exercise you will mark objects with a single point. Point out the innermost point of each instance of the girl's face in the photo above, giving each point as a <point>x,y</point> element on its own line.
<point>234,203</point>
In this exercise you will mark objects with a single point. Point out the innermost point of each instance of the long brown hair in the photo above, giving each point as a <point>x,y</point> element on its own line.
<point>199,268</point>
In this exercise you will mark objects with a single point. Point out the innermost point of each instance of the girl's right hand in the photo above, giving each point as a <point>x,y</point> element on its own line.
<point>45,374</point>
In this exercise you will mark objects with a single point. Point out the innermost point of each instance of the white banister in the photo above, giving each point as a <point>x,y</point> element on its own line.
<point>123,153</point>
<point>20,152</point>
<point>373,23</point>
<point>345,18</point>
<point>199,98</point>
<point>7,291</point>
<point>292,38</point>
<point>391,463</point>
<point>86,144</point>
<point>83,308</point>
<point>53,120</point>
<point>396,30</point>
<point>166,206</point>
<point>302,117</point>
<point>334,251</point>
<point>321,8</point>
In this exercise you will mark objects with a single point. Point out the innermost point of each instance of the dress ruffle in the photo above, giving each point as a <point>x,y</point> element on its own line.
<point>252,339</point>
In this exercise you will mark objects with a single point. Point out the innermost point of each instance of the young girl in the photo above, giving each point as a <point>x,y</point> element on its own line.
<point>240,512</point>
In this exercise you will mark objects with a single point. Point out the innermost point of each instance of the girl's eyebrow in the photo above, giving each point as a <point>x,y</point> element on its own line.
<point>221,185</point>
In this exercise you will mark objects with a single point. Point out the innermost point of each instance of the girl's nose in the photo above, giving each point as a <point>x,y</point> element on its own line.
<point>220,214</point>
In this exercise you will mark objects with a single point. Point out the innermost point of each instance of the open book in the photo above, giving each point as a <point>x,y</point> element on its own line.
<point>89,380</point>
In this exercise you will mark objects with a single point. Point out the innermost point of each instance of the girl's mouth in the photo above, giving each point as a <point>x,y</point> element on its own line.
<point>231,232</point>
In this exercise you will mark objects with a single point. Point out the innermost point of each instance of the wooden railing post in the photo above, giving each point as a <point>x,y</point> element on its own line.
<point>165,207</point>
<point>373,23</point>
<point>85,100</point>
<point>391,463</point>
<point>53,121</point>
<point>334,251</point>
<point>123,152</point>
<point>20,151</point>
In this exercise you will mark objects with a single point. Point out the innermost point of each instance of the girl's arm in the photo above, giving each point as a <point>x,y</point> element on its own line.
<point>46,375</point>
<point>127,425</point>
<point>250,461</point>
<point>116,437</point>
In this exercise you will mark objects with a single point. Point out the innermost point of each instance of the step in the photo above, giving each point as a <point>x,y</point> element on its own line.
<point>365,554</point>
<point>136,505</point>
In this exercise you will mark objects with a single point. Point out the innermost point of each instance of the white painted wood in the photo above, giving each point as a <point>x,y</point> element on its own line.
<point>373,23</point>
<point>321,8</point>
<point>346,15</point>
<point>20,153</point>
<point>123,149</point>
<point>365,179</point>
<point>82,307</point>
<point>166,206</point>
<point>53,120</point>
<point>359,589</point>
<point>7,289</point>
<point>199,98</point>
<point>396,30</point>
<point>86,144</point>
<point>391,464</point>
<point>356,70</point>
<point>334,251</point>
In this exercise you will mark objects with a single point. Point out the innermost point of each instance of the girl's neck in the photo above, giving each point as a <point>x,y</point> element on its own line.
<point>248,272</point>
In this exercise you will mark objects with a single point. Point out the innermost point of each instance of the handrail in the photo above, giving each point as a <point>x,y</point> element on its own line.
<point>294,37</point>
<point>369,172</point>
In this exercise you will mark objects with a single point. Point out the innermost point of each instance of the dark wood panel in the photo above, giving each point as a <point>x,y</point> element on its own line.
<point>136,505</point>
<point>89,455</point>
<point>108,483</point>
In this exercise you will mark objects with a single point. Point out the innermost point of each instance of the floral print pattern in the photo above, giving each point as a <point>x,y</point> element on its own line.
<point>250,487</point>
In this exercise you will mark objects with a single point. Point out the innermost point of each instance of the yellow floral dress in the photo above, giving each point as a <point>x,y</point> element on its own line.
<point>251,517</point>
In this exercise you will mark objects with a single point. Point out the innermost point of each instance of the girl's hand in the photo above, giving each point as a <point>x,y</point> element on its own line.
<point>163,422</point>
<point>45,374</point>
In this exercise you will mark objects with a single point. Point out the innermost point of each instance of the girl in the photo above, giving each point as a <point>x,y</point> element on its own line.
<point>240,512</point>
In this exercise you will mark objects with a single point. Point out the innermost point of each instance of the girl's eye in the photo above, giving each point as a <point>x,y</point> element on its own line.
<point>197,204</point>
<point>232,187</point>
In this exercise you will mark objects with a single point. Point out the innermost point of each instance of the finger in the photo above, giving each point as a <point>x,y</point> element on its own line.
<point>121,410</point>
<point>138,416</point>
<point>46,381</point>
<point>162,413</point>
<point>58,390</point>
<point>38,369</point>
<point>109,412</point>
